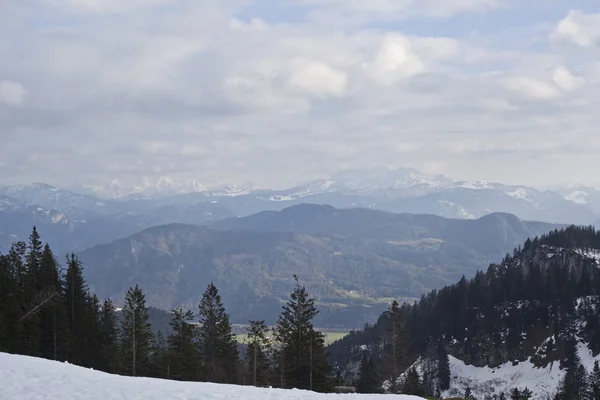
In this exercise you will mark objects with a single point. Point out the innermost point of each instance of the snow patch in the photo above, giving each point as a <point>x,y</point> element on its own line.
<point>485,381</point>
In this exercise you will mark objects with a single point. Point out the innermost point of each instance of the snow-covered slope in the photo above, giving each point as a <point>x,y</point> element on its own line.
<point>28,378</point>
<point>484,381</point>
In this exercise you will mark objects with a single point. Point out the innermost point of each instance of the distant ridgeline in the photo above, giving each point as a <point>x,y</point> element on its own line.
<point>531,322</point>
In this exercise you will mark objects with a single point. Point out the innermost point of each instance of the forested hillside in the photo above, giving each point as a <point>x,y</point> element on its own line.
<point>353,261</point>
<point>539,305</point>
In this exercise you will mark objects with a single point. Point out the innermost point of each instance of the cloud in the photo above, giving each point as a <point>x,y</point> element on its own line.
<point>12,93</point>
<point>227,91</point>
<point>395,60</point>
<point>318,78</point>
<point>532,88</point>
<point>565,80</point>
<point>578,28</point>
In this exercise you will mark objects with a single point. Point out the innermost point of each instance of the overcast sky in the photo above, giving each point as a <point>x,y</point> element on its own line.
<point>277,92</point>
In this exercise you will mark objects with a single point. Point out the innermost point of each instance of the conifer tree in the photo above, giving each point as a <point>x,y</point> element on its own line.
<point>34,260</point>
<point>109,336</point>
<point>55,332</point>
<point>301,355</point>
<point>395,345</point>
<point>161,358</point>
<point>77,309</point>
<point>136,334</point>
<point>182,350</point>
<point>367,377</point>
<point>594,382</point>
<point>218,347</point>
<point>443,367</point>
<point>412,383</point>
<point>257,353</point>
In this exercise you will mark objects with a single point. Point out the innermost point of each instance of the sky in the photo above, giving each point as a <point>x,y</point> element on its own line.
<point>278,92</point>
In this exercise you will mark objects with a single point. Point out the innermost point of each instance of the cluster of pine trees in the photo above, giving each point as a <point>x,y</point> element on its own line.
<point>49,312</point>
<point>547,288</point>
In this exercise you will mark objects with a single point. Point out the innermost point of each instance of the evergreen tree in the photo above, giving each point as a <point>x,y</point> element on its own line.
<point>77,309</point>
<point>34,261</point>
<point>257,353</point>
<point>515,394</point>
<point>367,381</point>
<point>161,358</point>
<point>443,367</point>
<point>301,356</point>
<point>55,332</point>
<point>109,336</point>
<point>218,347</point>
<point>395,346</point>
<point>183,361</point>
<point>412,383</point>
<point>136,334</point>
<point>594,382</point>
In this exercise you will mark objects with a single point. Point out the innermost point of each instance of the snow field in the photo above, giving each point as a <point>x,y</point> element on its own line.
<point>29,378</point>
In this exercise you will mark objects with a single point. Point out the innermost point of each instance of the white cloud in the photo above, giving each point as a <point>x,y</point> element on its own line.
<point>318,78</point>
<point>565,80</point>
<point>204,90</point>
<point>579,28</point>
<point>532,88</point>
<point>395,60</point>
<point>12,93</point>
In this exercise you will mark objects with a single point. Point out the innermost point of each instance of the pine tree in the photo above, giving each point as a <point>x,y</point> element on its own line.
<point>77,308</point>
<point>109,336</point>
<point>257,353</point>
<point>367,381</point>
<point>515,394</point>
<point>183,362</point>
<point>218,347</point>
<point>301,354</point>
<point>395,346</point>
<point>594,382</point>
<point>412,384</point>
<point>11,328</point>
<point>34,260</point>
<point>161,358</point>
<point>136,334</point>
<point>443,367</point>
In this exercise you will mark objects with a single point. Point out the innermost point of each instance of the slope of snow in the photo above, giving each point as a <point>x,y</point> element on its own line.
<point>28,378</point>
<point>485,381</point>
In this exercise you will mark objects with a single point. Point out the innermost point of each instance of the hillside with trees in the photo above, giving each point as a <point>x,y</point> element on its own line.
<point>539,306</point>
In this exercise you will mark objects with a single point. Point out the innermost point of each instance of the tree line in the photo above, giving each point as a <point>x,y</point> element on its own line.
<point>48,311</point>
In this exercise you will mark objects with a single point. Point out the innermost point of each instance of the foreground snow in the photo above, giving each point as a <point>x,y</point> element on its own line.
<point>28,378</point>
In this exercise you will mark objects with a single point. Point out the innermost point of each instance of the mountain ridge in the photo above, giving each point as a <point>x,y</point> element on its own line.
<point>352,275</point>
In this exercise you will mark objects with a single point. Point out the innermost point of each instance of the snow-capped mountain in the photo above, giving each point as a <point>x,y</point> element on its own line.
<point>391,189</point>
<point>117,189</point>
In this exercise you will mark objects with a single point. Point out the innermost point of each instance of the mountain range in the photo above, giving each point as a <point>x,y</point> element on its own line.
<point>394,190</point>
<point>352,260</point>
